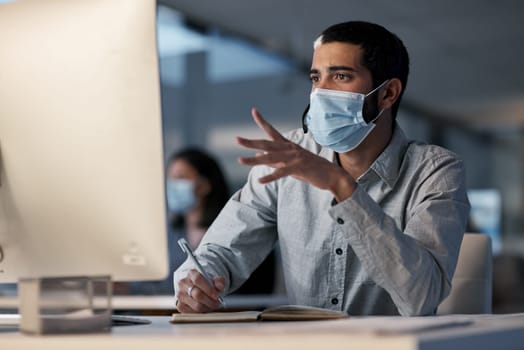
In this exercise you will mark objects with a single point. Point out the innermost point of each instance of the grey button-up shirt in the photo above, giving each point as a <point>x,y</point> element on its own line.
<point>389,249</point>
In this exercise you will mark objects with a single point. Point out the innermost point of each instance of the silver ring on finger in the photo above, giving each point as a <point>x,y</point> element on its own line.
<point>189,290</point>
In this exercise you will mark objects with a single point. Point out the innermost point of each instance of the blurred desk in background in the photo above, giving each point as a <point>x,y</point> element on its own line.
<point>165,304</point>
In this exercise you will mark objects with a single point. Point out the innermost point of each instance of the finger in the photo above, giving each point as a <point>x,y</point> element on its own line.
<point>201,302</point>
<point>182,287</point>
<point>184,308</point>
<point>184,302</point>
<point>201,283</point>
<point>187,304</point>
<point>275,159</point>
<point>219,283</point>
<point>264,145</point>
<point>268,128</point>
<point>277,174</point>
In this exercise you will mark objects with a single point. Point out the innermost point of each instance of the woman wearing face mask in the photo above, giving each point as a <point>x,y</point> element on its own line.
<point>196,192</point>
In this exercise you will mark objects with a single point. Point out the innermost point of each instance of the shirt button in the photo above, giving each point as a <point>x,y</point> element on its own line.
<point>334,301</point>
<point>339,251</point>
<point>340,221</point>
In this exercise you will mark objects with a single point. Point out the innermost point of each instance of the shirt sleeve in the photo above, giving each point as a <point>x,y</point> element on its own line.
<point>415,263</point>
<point>241,237</point>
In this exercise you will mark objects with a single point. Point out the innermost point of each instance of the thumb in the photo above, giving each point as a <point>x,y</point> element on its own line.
<point>219,283</point>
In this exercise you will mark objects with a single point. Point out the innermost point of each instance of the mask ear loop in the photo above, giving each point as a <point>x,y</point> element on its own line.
<point>378,115</point>
<point>377,88</point>
<point>373,91</point>
<point>304,126</point>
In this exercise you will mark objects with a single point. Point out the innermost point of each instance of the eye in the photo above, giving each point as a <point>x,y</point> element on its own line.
<point>314,78</point>
<point>341,76</point>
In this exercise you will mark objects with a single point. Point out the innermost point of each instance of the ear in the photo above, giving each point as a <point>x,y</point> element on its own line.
<point>390,93</point>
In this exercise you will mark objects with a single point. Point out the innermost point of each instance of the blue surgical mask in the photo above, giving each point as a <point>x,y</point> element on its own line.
<point>180,195</point>
<point>336,118</point>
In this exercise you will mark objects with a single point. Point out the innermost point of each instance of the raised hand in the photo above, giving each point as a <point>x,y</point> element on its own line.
<point>289,159</point>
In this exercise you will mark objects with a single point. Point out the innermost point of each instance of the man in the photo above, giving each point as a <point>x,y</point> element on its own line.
<point>368,222</point>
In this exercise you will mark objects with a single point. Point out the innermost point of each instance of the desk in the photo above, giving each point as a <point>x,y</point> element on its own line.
<point>487,332</point>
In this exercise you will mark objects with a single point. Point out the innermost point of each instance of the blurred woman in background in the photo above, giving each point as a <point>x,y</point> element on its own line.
<point>196,192</point>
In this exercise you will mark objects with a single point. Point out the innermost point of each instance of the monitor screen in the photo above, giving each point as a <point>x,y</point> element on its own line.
<point>485,215</point>
<point>81,150</point>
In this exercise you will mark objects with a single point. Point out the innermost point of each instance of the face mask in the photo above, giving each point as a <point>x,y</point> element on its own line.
<point>336,118</point>
<point>180,196</point>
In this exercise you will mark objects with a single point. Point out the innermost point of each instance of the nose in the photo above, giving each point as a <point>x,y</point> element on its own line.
<point>323,83</point>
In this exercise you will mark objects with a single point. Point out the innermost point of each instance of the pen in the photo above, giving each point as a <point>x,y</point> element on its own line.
<point>186,249</point>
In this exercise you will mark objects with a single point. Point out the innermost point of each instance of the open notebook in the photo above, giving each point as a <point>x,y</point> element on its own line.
<point>278,313</point>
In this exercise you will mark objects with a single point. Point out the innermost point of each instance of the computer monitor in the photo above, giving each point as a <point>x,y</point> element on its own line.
<point>81,148</point>
<point>486,215</point>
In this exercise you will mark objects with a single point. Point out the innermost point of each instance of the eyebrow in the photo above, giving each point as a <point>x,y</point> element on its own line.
<point>334,69</point>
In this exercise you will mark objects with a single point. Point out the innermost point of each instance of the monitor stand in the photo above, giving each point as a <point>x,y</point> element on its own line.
<point>121,320</point>
<point>61,305</point>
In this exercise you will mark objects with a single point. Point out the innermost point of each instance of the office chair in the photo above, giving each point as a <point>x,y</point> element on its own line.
<point>471,287</point>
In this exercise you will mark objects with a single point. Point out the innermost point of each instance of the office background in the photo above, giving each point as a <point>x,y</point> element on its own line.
<point>465,91</point>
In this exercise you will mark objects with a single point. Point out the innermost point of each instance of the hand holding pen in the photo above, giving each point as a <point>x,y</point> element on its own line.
<point>198,292</point>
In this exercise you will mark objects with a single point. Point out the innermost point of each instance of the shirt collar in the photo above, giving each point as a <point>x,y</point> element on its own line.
<point>387,165</point>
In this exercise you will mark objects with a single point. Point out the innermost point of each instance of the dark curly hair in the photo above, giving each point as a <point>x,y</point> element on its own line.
<point>384,54</point>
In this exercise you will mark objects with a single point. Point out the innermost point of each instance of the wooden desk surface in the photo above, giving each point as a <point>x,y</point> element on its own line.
<point>486,333</point>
